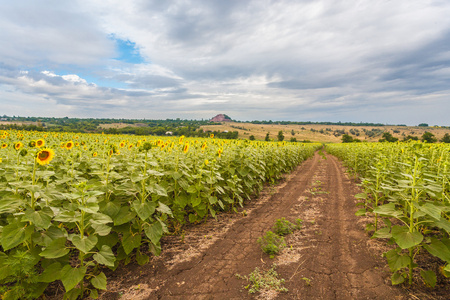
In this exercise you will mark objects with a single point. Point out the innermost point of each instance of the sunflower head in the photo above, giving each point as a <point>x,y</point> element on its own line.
<point>18,145</point>
<point>94,154</point>
<point>40,143</point>
<point>211,135</point>
<point>32,144</point>
<point>186,147</point>
<point>69,145</point>
<point>44,156</point>
<point>4,145</point>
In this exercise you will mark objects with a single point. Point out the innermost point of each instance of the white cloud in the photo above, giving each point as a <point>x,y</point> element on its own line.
<point>294,60</point>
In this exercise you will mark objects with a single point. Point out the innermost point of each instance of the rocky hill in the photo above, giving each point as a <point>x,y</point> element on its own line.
<point>221,118</point>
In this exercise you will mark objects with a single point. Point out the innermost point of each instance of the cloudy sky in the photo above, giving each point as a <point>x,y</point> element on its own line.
<point>299,60</point>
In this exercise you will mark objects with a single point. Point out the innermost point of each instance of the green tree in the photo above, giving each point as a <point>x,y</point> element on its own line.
<point>251,138</point>
<point>292,132</point>
<point>429,137</point>
<point>267,137</point>
<point>410,137</point>
<point>280,136</point>
<point>387,137</point>
<point>293,140</point>
<point>446,138</point>
<point>347,138</point>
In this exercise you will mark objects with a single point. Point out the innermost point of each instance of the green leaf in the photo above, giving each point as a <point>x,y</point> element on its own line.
<point>70,277</point>
<point>93,294</point>
<point>438,249</point>
<point>84,244</point>
<point>10,202</point>
<point>388,210</point>
<point>159,190</point>
<point>361,212</point>
<point>142,259</point>
<point>144,210</point>
<point>404,238</point>
<point>131,241</point>
<point>397,278</point>
<point>101,229</point>
<point>57,248</point>
<point>124,216</point>
<point>162,208</point>
<point>73,294</point>
<point>383,233</point>
<point>111,240</point>
<point>431,210</point>
<point>99,281</point>
<point>105,256</point>
<point>68,217</point>
<point>443,224</point>
<point>154,232</point>
<point>397,262</point>
<point>15,234</point>
<point>41,218</point>
<point>99,218</point>
<point>429,277</point>
<point>51,273</point>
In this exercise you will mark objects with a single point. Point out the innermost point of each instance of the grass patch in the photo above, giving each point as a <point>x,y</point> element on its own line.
<point>260,281</point>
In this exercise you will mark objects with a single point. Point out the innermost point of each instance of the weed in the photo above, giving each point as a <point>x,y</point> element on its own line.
<point>307,281</point>
<point>284,227</point>
<point>271,243</point>
<point>268,280</point>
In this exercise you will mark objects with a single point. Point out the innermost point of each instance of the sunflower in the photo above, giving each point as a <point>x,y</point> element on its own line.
<point>220,151</point>
<point>69,145</point>
<point>186,147</point>
<point>211,135</point>
<point>94,154</point>
<point>122,144</point>
<point>204,146</point>
<point>4,145</point>
<point>130,146</point>
<point>18,145</point>
<point>63,145</point>
<point>44,156</point>
<point>40,143</point>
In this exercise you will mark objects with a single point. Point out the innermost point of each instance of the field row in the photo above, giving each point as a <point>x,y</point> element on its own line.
<point>71,203</point>
<point>407,190</point>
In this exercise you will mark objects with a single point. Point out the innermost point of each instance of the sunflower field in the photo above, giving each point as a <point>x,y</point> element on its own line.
<point>407,191</point>
<point>73,204</point>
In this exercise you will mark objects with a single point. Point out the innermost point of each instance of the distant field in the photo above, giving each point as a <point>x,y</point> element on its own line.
<point>330,132</point>
<point>314,133</point>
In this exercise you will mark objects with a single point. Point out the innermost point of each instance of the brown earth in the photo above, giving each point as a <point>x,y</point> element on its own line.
<point>331,257</point>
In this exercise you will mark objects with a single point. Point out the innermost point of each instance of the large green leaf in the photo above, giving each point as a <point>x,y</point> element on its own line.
<point>131,241</point>
<point>404,238</point>
<point>51,273</point>
<point>431,210</point>
<point>15,234</point>
<point>124,216</point>
<point>388,210</point>
<point>105,256</point>
<point>144,210</point>
<point>70,277</point>
<point>438,249</point>
<point>154,232</point>
<point>162,208</point>
<point>85,243</point>
<point>99,281</point>
<point>429,277</point>
<point>57,248</point>
<point>41,218</point>
<point>396,261</point>
<point>383,233</point>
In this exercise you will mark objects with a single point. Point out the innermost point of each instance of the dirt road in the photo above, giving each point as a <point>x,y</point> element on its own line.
<point>328,259</point>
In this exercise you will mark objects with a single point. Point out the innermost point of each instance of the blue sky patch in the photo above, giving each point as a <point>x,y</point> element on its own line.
<point>128,52</point>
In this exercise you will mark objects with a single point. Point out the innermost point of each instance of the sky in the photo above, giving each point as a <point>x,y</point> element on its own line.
<point>282,60</point>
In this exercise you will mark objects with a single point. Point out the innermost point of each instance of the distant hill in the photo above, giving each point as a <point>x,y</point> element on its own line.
<point>221,118</point>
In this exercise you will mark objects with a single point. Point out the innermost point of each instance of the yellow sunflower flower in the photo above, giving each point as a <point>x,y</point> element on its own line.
<point>18,145</point>
<point>44,156</point>
<point>186,148</point>
<point>4,145</point>
<point>211,135</point>
<point>94,154</point>
<point>69,145</point>
<point>40,143</point>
